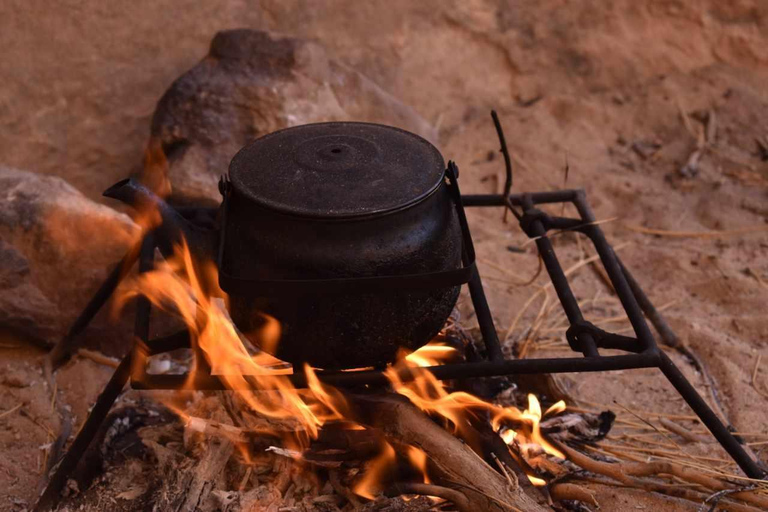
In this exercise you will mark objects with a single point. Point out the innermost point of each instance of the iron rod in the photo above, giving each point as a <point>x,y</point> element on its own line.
<point>475,285</point>
<point>487,200</point>
<point>554,269</point>
<point>709,418</point>
<point>91,426</point>
<point>656,318</point>
<point>64,348</point>
<point>445,372</point>
<point>143,311</point>
<point>505,153</point>
<point>618,280</point>
<point>484,317</point>
<point>116,383</point>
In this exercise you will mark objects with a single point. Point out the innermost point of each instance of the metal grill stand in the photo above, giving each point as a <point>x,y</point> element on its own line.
<point>584,337</point>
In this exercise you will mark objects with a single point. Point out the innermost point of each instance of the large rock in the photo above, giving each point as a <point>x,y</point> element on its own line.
<point>56,247</point>
<point>253,83</point>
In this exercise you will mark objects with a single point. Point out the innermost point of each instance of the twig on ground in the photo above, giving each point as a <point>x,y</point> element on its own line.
<point>676,490</point>
<point>629,472</point>
<point>37,422</point>
<point>518,280</point>
<point>568,491</point>
<point>512,483</point>
<point>452,495</point>
<point>757,277</point>
<point>507,166</point>
<point>682,417</point>
<point>663,434</point>
<point>697,234</point>
<point>683,432</point>
<point>755,383</point>
<point>715,498</point>
<point>98,357</point>
<point>662,453</point>
<point>603,275</point>
<point>684,117</point>
<point>570,230</point>
<point>10,411</point>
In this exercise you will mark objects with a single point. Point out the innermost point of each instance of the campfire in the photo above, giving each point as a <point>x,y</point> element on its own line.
<point>317,301</point>
<point>297,416</point>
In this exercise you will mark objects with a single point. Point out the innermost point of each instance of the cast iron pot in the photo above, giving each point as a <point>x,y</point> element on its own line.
<point>318,203</point>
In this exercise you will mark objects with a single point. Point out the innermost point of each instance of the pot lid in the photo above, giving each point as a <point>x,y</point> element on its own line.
<point>337,170</point>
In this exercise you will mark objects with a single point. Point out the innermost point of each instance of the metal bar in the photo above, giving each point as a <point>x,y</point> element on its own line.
<point>555,271</point>
<point>175,341</point>
<point>444,372</point>
<point>558,278</point>
<point>588,346</point>
<point>709,418</point>
<point>661,325</point>
<point>487,200</point>
<point>121,376</point>
<point>612,267</point>
<point>91,426</point>
<point>504,151</point>
<point>131,363</point>
<point>475,285</point>
<point>64,348</point>
<point>618,342</point>
<point>484,318</point>
<point>140,350</point>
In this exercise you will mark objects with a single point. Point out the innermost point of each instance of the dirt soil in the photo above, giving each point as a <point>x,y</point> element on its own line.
<point>623,93</point>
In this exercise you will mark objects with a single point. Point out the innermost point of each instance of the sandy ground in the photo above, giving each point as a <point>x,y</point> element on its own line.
<point>620,90</point>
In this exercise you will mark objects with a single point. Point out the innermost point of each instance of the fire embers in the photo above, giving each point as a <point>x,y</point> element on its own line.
<point>320,428</point>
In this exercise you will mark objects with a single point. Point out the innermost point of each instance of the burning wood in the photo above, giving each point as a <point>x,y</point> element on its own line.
<point>406,440</point>
<point>365,447</point>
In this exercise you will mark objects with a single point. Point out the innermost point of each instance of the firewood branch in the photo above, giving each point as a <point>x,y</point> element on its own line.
<point>453,465</point>
<point>629,473</point>
<point>458,498</point>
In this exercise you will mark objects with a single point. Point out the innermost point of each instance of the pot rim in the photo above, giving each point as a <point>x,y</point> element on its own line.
<point>240,188</point>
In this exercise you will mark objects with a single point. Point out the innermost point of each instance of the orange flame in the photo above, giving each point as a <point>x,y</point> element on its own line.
<point>176,286</point>
<point>188,289</point>
<point>375,471</point>
<point>430,395</point>
<point>155,169</point>
<point>418,459</point>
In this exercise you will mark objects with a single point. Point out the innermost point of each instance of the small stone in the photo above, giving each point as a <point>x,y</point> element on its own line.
<point>14,379</point>
<point>158,366</point>
<point>645,149</point>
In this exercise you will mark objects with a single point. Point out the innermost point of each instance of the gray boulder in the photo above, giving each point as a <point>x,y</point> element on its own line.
<point>56,247</point>
<point>250,84</point>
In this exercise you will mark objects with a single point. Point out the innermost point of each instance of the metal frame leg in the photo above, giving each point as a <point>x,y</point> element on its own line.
<point>64,348</point>
<point>116,383</point>
<point>91,426</point>
<point>635,302</point>
<point>726,439</point>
